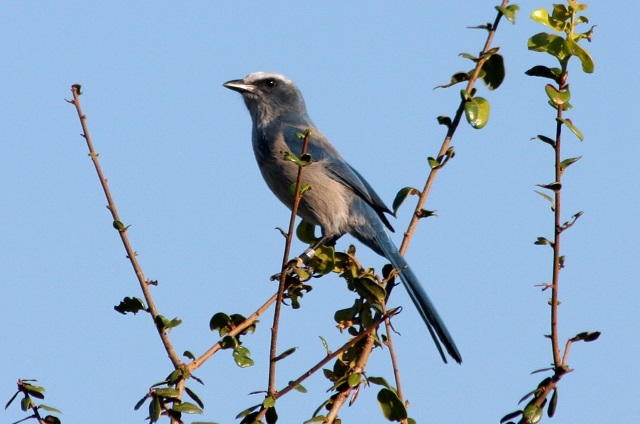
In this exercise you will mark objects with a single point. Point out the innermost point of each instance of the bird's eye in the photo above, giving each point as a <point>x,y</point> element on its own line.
<point>270,83</point>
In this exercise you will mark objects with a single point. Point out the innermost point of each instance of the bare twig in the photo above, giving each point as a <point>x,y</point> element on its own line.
<point>271,391</point>
<point>394,358</point>
<point>131,254</point>
<point>556,244</point>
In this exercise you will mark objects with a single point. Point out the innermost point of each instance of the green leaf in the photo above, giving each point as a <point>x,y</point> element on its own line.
<point>241,356</point>
<point>118,225</point>
<point>465,95</point>
<point>392,407</point>
<point>168,392</point>
<point>557,97</point>
<point>299,387</point>
<point>268,402</point>
<point>50,419</point>
<point>285,354</point>
<point>456,78</point>
<point>510,416</point>
<point>380,381</point>
<point>346,316</point>
<point>140,403</point>
<point>494,71</point>
<point>509,12</point>
<point>532,414</point>
<point>587,336</point>
<point>369,289</point>
<point>12,399</point>
<point>560,12</point>
<point>574,5</point>
<point>306,133</point>
<point>546,139</point>
<point>549,198</point>
<point>229,342</point>
<point>444,120</point>
<point>304,188</point>
<point>163,323</point>
<point>587,34</point>
<point>35,391</point>
<point>545,72</point>
<point>271,416</point>
<point>486,26</point>
<point>26,403</point>
<point>194,396</point>
<point>433,163</point>
<point>174,323</point>
<point>325,344</point>
<point>187,408</point>
<point>155,409</point>
<point>247,411</point>
<point>301,161</point>
<point>551,410</point>
<point>323,262</point>
<point>567,122</point>
<point>189,355</point>
<point>477,112</point>
<point>567,162</point>
<point>565,106</point>
<point>541,241</point>
<point>354,379</point>
<point>588,66</point>
<point>305,231</point>
<point>542,16</point>
<point>130,304</point>
<point>469,56</point>
<point>548,43</point>
<point>329,375</point>
<point>220,321</point>
<point>425,213</point>
<point>403,194</point>
<point>555,186</point>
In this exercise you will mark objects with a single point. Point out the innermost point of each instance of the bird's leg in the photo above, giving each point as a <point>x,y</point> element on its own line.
<point>306,256</point>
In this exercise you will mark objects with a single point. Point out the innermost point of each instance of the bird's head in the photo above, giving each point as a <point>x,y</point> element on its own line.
<point>269,97</point>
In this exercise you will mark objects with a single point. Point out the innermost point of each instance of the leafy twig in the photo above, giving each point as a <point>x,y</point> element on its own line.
<point>562,19</point>
<point>445,153</point>
<point>292,385</point>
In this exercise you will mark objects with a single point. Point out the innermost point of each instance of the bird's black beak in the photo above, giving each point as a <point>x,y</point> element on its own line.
<point>240,86</point>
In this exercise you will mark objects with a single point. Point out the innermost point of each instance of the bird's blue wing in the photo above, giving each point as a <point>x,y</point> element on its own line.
<point>321,150</point>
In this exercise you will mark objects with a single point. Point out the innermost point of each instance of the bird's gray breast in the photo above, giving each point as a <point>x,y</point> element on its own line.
<point>327,201</point>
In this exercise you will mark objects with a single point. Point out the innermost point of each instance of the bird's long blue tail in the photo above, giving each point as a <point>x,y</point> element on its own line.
<point>427,311</point>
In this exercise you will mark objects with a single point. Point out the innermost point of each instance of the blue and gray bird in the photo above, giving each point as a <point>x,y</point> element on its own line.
<point>340,200</point>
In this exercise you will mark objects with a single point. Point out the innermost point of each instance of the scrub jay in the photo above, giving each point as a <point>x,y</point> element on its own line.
<point>340,200</point>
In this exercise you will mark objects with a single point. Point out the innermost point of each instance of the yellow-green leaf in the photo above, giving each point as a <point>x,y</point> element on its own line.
<point>477,112</point>
<point>573,128</point>
<point>402,196</point>
<point>542,16</point>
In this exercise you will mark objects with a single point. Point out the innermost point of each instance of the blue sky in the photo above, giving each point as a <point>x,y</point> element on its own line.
<point>175,146</point>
